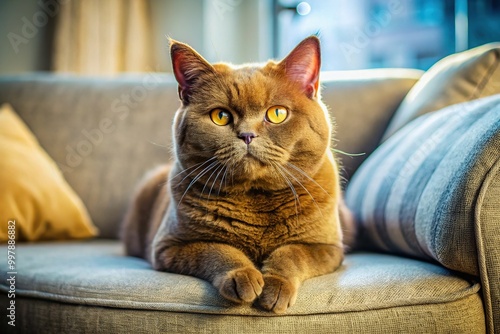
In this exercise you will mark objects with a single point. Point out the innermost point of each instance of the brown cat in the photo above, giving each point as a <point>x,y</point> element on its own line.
<point>252,201</point>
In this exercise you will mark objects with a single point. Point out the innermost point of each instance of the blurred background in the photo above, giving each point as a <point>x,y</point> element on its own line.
<point>108,37</point>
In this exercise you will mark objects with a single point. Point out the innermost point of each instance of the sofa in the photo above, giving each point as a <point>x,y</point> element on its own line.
<point>420,157</point>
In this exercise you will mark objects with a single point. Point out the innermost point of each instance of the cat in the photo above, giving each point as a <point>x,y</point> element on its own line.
<point>252,202</point>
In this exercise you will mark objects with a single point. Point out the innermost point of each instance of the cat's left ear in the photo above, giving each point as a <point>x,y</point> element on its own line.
<point>302,65</point>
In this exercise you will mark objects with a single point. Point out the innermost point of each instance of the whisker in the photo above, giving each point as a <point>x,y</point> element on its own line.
<point>348,154</point>
<point>308,177</point>
<point>208,180</point>
<point>292,188</point>
<point>233,170</point>
<point>300,183</point>
<point>223,179</point>
<point>197,177</point>
<point>205,150</point>
<point>198,165</point>
<point>215,180</point>
<point>167,147</point>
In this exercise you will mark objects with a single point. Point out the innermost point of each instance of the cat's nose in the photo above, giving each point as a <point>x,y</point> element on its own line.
<point>247,137</point>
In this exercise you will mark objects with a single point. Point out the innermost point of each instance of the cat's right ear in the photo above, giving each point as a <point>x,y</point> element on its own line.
<point>188,65</point>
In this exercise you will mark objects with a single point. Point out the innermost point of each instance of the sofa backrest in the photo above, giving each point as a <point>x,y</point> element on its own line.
<point>106,133</point>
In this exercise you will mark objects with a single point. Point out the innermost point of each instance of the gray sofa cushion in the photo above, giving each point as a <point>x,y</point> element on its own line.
<point>367,287</point>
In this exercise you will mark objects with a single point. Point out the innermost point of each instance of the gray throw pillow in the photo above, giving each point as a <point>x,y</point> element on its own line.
<point>430,188</point>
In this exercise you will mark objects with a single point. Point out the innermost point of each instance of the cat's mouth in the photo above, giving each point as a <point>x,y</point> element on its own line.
<point>250,157</point>
<point>252,154</point>
<point>257,160</point>
<point>259,156</point>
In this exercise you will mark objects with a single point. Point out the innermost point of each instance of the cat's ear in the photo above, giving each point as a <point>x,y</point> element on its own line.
<point>188,65</point>
<point>302,65</point>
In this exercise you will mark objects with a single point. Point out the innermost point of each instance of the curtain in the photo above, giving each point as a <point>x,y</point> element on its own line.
<point>103,37</point>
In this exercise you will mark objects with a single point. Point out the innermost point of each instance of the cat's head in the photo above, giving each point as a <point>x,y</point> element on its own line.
<point>260,126</point>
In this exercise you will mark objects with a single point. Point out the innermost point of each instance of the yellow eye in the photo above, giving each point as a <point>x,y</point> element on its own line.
<point>220,117</point>
<point>276,114</point>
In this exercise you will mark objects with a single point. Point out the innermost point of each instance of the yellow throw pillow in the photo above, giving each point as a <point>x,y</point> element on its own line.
<point>34,197</point>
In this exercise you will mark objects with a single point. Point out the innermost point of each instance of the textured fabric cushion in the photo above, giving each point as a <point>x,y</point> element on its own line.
<point>457,78</point>
<point>381,292</point>
<point>34,195</point>
<point>418,193</point>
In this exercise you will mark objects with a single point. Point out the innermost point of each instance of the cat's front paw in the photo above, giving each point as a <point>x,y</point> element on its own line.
<point>278,294</point>
<point>240,285</point>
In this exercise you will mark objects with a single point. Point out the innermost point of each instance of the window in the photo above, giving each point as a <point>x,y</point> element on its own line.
<point>386,33</point>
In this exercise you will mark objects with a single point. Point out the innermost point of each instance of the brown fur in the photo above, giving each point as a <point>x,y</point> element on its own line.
<point>255,220</point>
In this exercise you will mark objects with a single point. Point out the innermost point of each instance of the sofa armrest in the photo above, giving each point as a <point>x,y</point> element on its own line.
<point>432,191</point>
<point>487,229</point>
<point>362,103</point>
